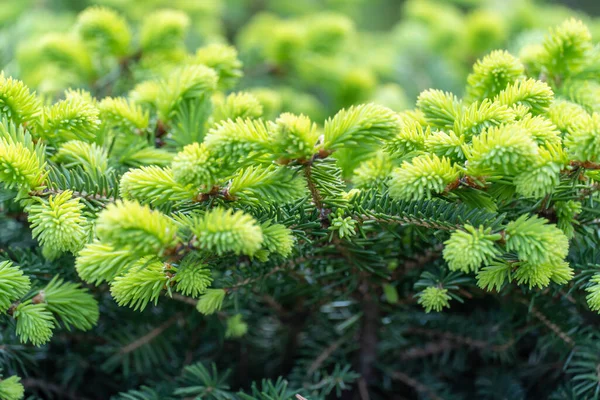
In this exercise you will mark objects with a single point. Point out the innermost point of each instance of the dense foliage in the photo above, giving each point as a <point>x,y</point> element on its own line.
<point>277,223</point>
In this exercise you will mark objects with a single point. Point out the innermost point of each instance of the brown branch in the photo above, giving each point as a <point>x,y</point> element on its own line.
<point>415,384</point>
<point>64,393</point>
<point>461,340</point>
<point>549,324</point>
<point>589,191</point>
<point>419,260</point>
<point>247,281</point>
<point>406,221</point>
<point>314,192</point>
<point>429,349</point>
<point>316,364</point>
<point>363,389</point>
<point>585,164</point>
<point>147,338</point>
<point>240,284</point>
<point>369,333</point>
<point>184,299</point>
<point>316,196</point>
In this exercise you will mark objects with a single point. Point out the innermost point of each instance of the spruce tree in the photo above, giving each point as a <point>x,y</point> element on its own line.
<point>164,236</point>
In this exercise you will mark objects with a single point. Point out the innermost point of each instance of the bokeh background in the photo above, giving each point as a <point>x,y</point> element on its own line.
<point>319,55</point>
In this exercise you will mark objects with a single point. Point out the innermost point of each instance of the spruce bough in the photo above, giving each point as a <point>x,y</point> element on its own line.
<point>179,193</point>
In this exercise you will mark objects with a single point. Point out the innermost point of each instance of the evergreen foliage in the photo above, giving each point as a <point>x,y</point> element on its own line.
<point>168,234</point>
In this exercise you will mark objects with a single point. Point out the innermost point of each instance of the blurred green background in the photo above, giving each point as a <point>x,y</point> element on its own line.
<point>310,56</point>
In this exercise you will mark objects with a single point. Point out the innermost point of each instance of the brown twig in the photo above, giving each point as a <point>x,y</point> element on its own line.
<point>147,338</point>
<point>415,384</point>
<point>369,333</point>
<point>316,364</point>
<point>451,338</point>
<point>363,389</point>
<point>585,164</point>
<point>240,284</point>
<point>407,221</point>
<point>62,392</point>
<point>549,324</point>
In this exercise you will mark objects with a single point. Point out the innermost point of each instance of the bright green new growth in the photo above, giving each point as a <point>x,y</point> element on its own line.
<point>277,238</point>
<point>237,143</point>
<point>119,112</point>
<point>344,226</point>
<point>536,241</point>
<point>58,223</point>
<point>193,277</point>
<point>360,126</point>
<point>74,118</point>
<point>105,30</point>
<point>223,231</point>
<point>224,60</point>
<point>130,225</point>
<point>20,163</point>
<point>593,298</point>
<point>17,103</point>
<point>434,299</point>
<point>583,140</point>
<point>236,327</point>
<point>98,262</point>
<point>494,275</point>
<point>237,105</point>
<point>11,388</point>
<point>441,109</point>
<point>295,136</point>
<point>422,177</point>
<point>192,166</point>
<point>13,284</point>
<point>72,305</point>
<point>492,74</point>
<point>501,150</point>
<point>154,185</point>
<point>412,137</point>
<point>186,83</point>
<point>89,156</point>
<point>211,301</point>
<point>566,49</point>
<point>141,284</point>
<point>267,184</point>
<point>34,323</point>
<point>164,30</point>
<point>536,96</point>
<point>171,187</point>
<point>467,250</point>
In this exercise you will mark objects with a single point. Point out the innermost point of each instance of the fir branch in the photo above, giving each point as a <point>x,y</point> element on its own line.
<point>316,196</point>
<point>415,384</point>
<point>369,333</point>
<point>430,348</point>
<point>147,338</point>
<point>449,337</point>
<point>49,387</point>
<point>323,356</point>
<point>549,324</point>
<point>87,196</point>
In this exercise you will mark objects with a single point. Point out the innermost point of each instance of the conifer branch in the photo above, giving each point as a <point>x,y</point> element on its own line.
<point>448,338</point>
<point>316,364</point>
<point>88,196</point>
<point>238,203</point>
<point>147,338</point>
<point>549,324</point>
<point>44,386</point>
<point>415,384</point>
